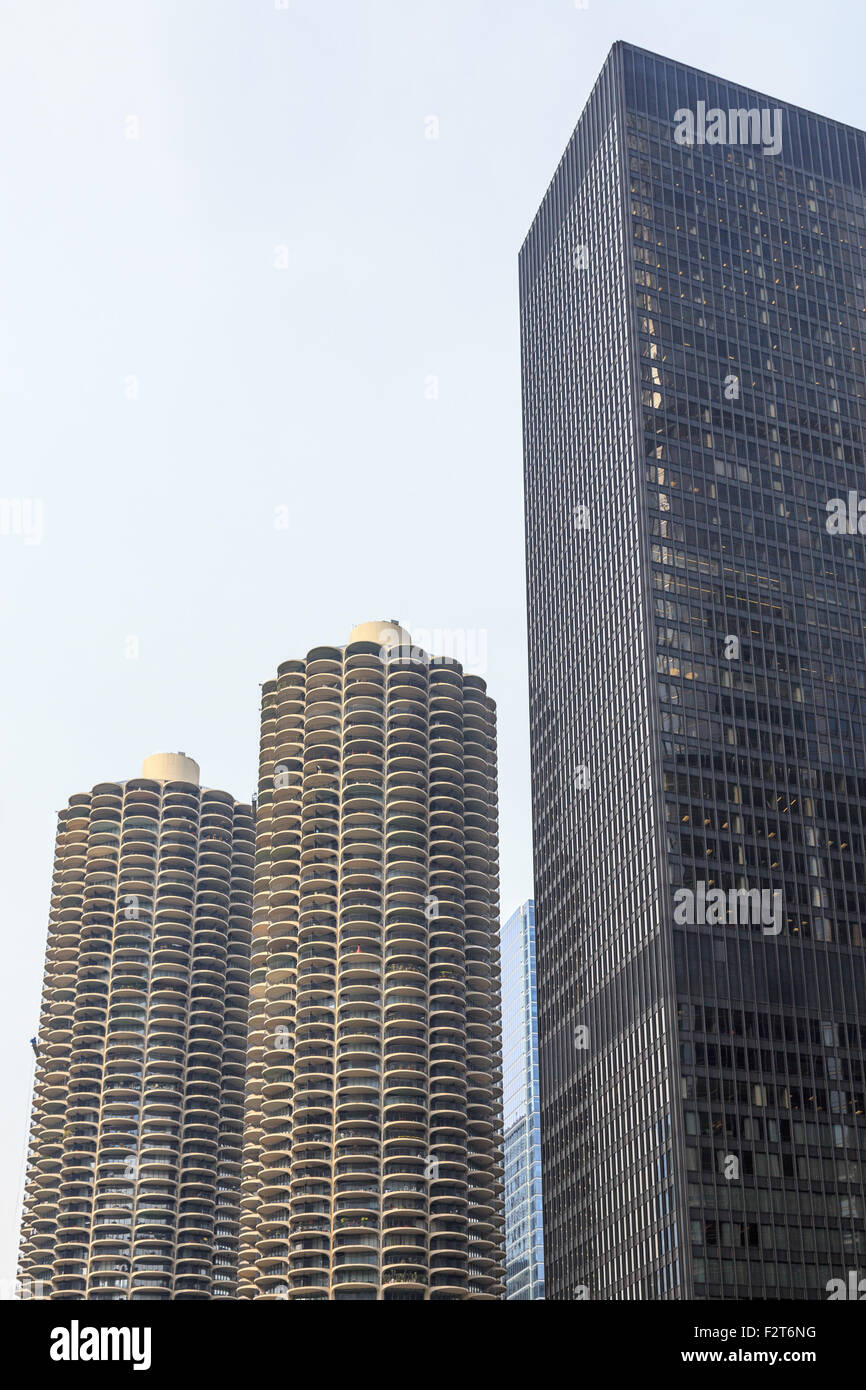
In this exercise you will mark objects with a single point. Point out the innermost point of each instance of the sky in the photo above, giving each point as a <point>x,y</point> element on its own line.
<point>259,369</point>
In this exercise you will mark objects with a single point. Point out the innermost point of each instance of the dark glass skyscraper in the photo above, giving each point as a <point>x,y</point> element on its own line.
<point>693,303</point>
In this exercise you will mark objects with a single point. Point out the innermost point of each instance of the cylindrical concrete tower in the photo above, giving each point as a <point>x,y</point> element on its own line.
<point>373,1131</point>
<point>133,1178</point>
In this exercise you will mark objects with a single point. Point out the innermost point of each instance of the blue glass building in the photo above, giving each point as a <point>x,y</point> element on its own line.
<point>524,1241</point>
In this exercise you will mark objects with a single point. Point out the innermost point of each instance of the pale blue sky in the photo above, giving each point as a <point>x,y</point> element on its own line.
<point>153,258</point>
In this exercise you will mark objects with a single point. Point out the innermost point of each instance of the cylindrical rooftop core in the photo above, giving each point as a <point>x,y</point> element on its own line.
<point>384,633</point>
<point>171,767</point>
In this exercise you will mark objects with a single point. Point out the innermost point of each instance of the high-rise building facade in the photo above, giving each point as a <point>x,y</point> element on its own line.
<point>693,304</point>
<point>524,1233</point>
<point>372,1162</point>
<point>133,1181</point>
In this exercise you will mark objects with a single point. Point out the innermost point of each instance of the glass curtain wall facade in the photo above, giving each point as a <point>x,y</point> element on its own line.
<point>692,295</point>
<point>373,1148</point>
<point>133,1177</point>
<point>524,1237</point>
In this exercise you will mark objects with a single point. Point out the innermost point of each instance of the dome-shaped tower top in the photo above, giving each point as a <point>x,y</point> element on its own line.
<point>385,632</point>
<point>171,767</point>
